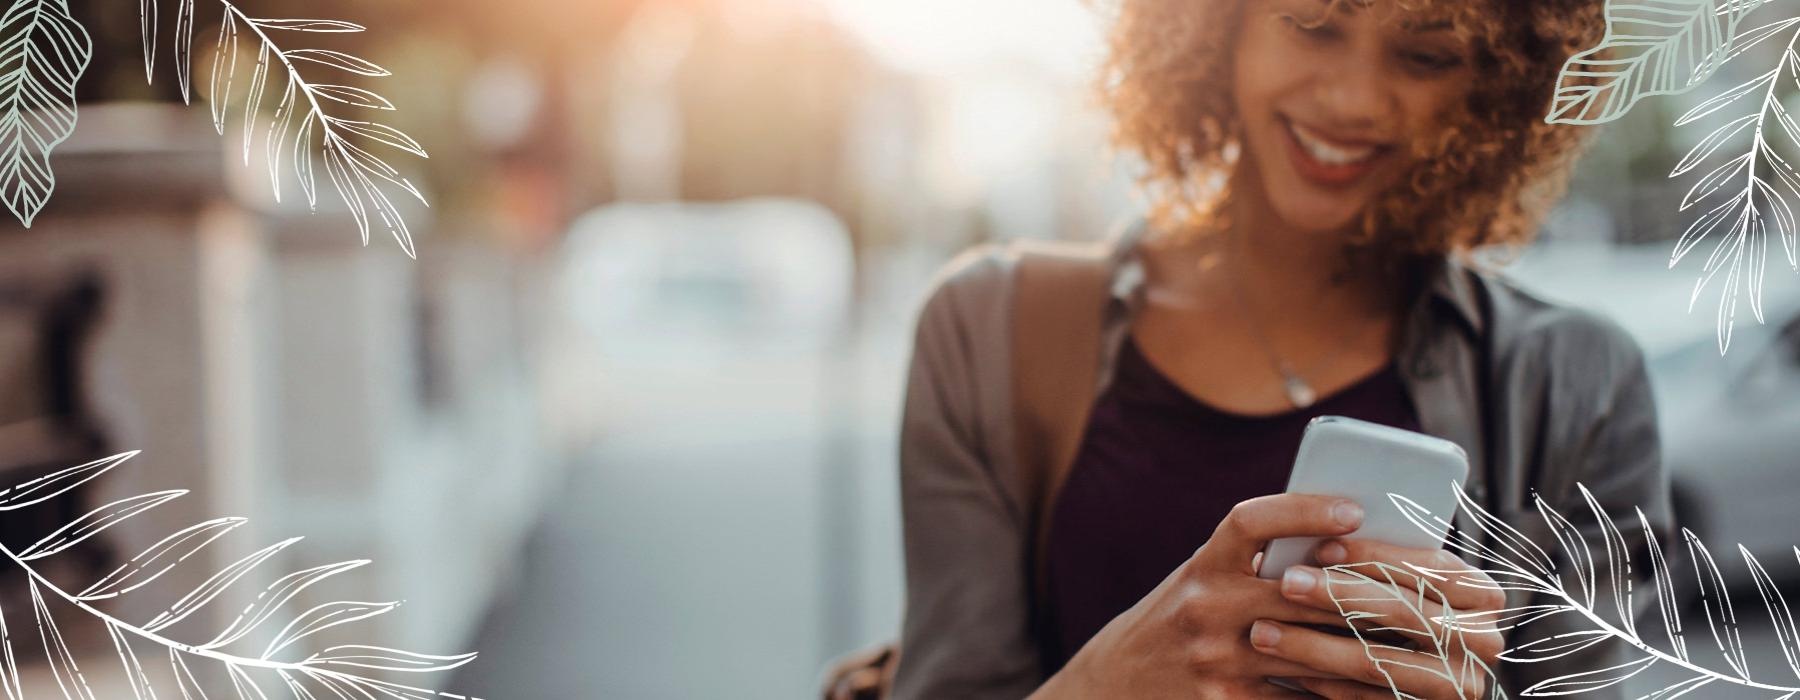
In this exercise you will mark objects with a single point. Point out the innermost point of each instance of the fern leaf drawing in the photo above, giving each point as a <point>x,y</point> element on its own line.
<point>1395,604</point>
<point>43,51</point>
<point>1740,197</point>
<point>310,120</point>
<point>341,671</point>
<point>1651,47</point>
<point>1744,199</point>
<point>1567,592</point>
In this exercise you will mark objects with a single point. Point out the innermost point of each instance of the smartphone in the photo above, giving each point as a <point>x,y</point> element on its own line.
<point>1365,462</point>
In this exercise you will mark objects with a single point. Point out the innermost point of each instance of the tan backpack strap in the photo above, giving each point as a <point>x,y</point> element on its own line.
<point>1059,298</point>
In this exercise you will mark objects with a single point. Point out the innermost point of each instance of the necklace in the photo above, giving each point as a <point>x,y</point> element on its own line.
<point>1299,392</point>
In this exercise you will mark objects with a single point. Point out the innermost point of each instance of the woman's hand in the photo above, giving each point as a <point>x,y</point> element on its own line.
<point>1344,656</point>
<point>1189,638</point>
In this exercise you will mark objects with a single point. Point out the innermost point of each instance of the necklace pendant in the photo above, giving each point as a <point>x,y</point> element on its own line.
<point>1299,393</point>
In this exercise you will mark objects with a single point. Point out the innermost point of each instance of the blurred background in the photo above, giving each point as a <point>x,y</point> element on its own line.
<point>627,426</point>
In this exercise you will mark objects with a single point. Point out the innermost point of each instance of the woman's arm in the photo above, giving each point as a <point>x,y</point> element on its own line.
<point>966,629</point>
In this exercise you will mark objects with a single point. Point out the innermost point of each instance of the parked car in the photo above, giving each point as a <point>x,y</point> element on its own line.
<point>1731,439</point>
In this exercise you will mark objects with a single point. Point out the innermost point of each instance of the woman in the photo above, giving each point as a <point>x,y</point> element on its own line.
<point>1320,167</point>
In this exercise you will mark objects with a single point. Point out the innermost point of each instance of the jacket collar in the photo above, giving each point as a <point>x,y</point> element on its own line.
<point>1447,281</point>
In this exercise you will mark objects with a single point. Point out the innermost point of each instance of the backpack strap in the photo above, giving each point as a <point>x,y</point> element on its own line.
<point>1059,298</point>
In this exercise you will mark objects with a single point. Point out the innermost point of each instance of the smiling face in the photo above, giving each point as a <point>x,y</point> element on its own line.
<point>1328,93</point>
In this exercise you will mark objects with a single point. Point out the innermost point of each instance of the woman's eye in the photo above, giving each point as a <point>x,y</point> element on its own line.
<point>1428,61</point>
<point>1311,29</point>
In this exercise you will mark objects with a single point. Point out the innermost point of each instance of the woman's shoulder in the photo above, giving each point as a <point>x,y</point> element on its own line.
<point>1564,340</point>
<point>968,296</point>
<point>978,274</point>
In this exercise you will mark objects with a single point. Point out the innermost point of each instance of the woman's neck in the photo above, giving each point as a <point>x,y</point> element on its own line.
<point>1290,270</point>
<point>1281,270</point>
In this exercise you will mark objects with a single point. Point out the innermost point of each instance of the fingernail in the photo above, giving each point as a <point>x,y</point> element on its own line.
<point>1296,580</point>
<point>1347,513</point>
<point>1332,553</point>
<point>1264,634</point>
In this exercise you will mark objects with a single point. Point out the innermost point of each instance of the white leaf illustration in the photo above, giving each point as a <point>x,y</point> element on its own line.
<point>1589,680</point>
<point>223,70</point>
<point>1702,34</point>
<point>1508,618</point>
<point>56,650</point>
<point>1787,635</point>
<point>184,676</point>
<point>1666,602</point>
<point>184,48</point>
<point>1571,597</point>
<point>385,659</point>
<point>1653,47</point>
<point>9,665</point>
<point>1719,616</point>
<point>324,617</point>
<point>338,60</point>
<point>206,592</point>
<point>93,523</point>
<point>338,671</point>
<point>147,21</point>
<point>52,485</point>
<point>271,599</point>
<point>1554,647</point>
<point>1394,602</point>
<point>359,176</point>
<point>44,51</point>
<point>308,25</point>
<point>1711,143</point>
<point>352,96</point>
<point>158,558</point>
<point>134,670</point>
<point>246,687</point>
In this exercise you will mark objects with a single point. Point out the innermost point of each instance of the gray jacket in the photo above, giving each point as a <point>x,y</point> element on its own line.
<point>1539,396</point>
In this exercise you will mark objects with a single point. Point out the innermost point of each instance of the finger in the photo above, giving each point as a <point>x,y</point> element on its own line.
<point>1268,687</point>
<point>1457,584</point>
<point>1384,615</point>
<point>1382,611</point>
<point>1263,688</point>
<point>1410,672</point>
<point>1254,522</point>
<point>1345,690</point>
<point>1265,598</point>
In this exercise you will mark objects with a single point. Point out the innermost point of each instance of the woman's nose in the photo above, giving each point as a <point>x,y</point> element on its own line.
<point>1355,94</point>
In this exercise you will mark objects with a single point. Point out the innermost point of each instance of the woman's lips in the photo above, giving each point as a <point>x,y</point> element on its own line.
<point>1348,164</point>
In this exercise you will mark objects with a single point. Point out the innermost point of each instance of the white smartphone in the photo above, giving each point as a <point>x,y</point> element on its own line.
<point>1365,462</point>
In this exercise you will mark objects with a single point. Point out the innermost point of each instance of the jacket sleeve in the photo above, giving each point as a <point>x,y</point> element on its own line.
<point>965,633</point>
<point>1616,456</point>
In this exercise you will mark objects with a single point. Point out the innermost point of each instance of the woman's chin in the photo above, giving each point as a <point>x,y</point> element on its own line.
<point>1321,221</point>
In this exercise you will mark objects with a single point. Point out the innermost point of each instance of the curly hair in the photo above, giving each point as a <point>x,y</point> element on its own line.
<point>1486,177</point>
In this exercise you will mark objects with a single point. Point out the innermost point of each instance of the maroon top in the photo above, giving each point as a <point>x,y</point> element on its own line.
<point>1156,472</point>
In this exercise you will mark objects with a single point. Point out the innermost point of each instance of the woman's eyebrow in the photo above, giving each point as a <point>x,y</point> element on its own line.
<point>1435,25</point>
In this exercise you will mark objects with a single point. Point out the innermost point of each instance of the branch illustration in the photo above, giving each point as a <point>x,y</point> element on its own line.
<point>1756,206</point>
<point>360,176</point>
<point>1372,602</point>
<point>1651,47</point>
<point>335,672</point>
<point>43,51</point>
<point>1515,563</point>
<point>1664,47</point>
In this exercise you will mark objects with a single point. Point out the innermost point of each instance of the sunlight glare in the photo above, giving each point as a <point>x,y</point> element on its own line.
<point>946,36</point>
